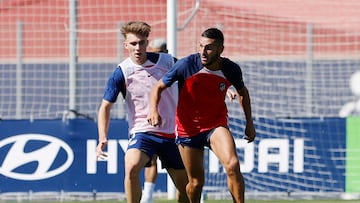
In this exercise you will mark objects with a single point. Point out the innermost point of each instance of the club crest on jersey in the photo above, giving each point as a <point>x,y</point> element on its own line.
<point>222,86</point>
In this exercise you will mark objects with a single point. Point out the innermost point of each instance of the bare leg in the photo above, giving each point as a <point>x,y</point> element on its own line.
<point>150,174</point>
<point>135,160</point>
<point>193,161</point>
<point>223,145</point>
<point>180,180</point>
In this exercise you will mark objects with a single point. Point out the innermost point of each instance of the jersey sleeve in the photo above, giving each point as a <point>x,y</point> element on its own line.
<point>173,74</point>
<point>115,85</point>
<point>233,73</point>
<point>182,69</point>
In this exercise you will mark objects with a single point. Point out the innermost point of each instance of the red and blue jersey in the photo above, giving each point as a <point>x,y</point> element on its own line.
<point>202,92</point>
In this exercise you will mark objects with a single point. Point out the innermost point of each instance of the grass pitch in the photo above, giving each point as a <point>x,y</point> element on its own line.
<point>208,201</point>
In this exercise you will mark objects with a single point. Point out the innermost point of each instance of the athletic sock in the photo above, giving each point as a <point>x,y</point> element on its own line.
<point>147,195</point>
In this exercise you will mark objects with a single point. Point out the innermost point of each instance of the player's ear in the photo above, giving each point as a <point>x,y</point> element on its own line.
<point>221,49</point>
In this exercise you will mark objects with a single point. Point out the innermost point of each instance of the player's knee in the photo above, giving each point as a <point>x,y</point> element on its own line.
<point>232,167</point>
<point>196,184</point>
<point>132,170</point>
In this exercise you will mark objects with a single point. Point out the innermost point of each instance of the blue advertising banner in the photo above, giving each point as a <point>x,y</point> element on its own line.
<point>294,154</point>
<point>50,155</point>
<point>288,155</point>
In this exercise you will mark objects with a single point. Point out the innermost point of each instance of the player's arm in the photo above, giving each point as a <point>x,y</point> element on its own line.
<point>115,85</point>
<point>244,100</point>
<point>154,117</point>
<point>103,126</point>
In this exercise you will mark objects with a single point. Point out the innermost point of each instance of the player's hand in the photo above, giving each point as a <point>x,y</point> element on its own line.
<point>250,133</point>
<point>100,154</point>
<point>154,118</point>
<point>231,94</point>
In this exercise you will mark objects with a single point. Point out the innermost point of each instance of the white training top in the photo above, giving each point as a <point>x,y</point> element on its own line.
<point>139,80</point>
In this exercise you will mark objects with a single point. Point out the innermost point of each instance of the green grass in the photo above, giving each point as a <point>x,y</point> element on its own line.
<point>208,201</point>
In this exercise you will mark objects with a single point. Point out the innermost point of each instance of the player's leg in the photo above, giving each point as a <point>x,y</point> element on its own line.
<point>223,146</point>
<point>135,160</point>
<point>150,174</point>
<point>170,158</point>
<point>180,180</point>
<point>138,154</point>
<point>193,161</point>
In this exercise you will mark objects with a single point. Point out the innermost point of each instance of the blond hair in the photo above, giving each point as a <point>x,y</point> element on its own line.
<point>136,27</point>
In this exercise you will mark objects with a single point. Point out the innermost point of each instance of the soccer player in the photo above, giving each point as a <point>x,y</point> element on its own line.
<point>133,78</point>
<point>201,117</point>
<point>157,45</point>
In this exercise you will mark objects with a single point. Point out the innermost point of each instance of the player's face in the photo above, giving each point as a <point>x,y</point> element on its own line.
<point>210,51</point>
<point>136,46</point>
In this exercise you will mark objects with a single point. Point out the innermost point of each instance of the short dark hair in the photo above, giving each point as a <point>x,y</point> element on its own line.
<point>214,33</point>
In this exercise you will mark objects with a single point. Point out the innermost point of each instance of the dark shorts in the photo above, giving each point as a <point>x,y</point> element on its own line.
<point>164,148</point>
<point>198,141</point>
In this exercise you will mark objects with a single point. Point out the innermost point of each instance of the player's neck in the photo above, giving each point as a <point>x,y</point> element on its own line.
<point>217,65</point>
<point>139,60</point>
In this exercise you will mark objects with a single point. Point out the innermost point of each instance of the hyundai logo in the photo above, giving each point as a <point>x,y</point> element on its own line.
<point>34,157</point>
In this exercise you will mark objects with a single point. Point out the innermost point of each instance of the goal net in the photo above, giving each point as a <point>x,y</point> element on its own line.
<point>297,58</point>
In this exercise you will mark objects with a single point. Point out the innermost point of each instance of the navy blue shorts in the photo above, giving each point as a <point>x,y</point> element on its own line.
<point>164,148</point>
<point>198,141</point>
